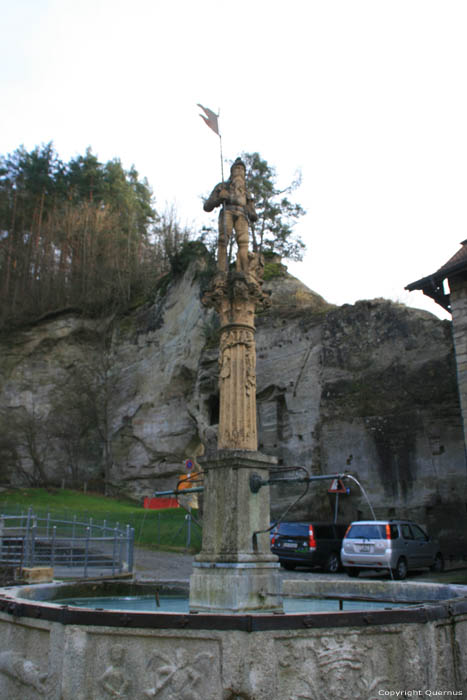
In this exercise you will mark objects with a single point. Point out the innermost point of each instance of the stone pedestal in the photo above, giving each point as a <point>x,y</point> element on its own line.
<point>235,571</point>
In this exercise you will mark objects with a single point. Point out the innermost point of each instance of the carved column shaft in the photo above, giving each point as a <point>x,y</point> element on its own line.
<point>237,389</point>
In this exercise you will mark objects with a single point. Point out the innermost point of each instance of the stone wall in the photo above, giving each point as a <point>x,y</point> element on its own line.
<point>458,299</point>
<point>47,653</point>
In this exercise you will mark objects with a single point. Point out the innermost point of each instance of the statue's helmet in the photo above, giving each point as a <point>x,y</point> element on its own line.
<point>237,163</point>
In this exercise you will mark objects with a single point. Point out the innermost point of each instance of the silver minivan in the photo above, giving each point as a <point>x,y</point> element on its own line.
<point>397,545</point>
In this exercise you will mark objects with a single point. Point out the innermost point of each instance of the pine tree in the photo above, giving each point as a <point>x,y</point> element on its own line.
<point>277,215</point>
<point>80,234</point>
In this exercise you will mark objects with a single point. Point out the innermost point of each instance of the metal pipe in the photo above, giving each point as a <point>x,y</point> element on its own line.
<point>131,541</point>
<point>178,492</point>
<point>54,538</point>
<point>188,532</point>
<point>120,563</point>
<point>114,550</point>
<point>86,551</point>
<point>256,482</point>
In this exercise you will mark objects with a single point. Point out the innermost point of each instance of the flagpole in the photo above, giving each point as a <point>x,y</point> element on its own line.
<point>212,121</point>
<point>222,175</point>
<point>220,144</point>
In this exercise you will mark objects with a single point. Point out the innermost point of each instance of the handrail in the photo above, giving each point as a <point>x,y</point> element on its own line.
<point>28,539</point>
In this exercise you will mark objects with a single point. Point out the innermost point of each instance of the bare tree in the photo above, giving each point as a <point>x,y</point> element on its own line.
<point>25,444</point>
<point>82,404</point>
<point>74,428</point>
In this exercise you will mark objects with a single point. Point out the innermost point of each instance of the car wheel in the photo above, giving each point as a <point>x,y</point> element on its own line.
<point>352,571</point>
<point>438,564</point>
<point>332,564</point>
<point>400,572</point>
<point>287,565</point>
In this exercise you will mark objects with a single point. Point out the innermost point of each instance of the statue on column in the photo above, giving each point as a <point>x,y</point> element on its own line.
<point>235,570</point>
<point>237,211</point>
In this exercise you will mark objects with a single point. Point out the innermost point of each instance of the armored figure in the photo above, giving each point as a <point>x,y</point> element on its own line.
<point>236,212</point>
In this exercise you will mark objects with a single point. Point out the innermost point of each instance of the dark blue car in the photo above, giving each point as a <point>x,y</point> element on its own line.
<point>308,544</point>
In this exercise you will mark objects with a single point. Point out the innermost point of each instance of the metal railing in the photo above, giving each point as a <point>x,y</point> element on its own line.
<point>73,547</point>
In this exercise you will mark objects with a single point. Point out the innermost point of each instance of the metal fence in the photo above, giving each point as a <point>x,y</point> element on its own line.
<point>74,548</point>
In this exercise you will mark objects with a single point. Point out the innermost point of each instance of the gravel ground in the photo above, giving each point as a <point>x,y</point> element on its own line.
<point>176,566</point>
<point>162,565</point>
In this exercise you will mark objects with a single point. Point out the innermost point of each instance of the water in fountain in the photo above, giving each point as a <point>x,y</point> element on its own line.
<point>177,604</point>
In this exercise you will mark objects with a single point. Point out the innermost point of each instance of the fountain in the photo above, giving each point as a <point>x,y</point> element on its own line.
<point>236,642</point>
<point>234,571</point>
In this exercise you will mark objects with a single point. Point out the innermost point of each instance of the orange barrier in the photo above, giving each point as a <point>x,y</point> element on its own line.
<point>160,503</point>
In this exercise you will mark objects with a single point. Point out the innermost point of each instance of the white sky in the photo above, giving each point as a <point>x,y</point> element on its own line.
<point>367,97</point>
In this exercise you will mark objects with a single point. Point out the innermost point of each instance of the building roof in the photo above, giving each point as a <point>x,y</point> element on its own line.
<point>432,285</point>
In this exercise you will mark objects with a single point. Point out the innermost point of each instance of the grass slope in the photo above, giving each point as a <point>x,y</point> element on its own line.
<point>162,529</point>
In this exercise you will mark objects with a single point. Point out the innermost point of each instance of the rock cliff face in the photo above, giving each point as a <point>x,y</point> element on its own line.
<point>390,411</point>
<point>369,388</point>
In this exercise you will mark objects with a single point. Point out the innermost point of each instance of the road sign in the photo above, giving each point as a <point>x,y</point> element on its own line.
<point>188,464</point>
<point>337,486</point>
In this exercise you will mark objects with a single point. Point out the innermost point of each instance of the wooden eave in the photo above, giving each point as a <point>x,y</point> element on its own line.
<point>432,285</point>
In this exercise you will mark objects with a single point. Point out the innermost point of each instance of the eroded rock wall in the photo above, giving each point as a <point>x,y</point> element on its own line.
<point>39,400</point>
<point>390,412</point>
<point>369,388</point>
<point>157,355</point>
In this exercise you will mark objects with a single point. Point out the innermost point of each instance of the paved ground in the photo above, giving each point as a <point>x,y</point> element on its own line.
<point>174,566</point>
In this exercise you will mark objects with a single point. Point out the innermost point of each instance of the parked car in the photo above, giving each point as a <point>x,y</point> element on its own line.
<point>397,545</point>
<point>308,544</point>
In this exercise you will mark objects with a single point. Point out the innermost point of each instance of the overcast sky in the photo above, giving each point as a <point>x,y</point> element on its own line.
<point>366,97</point>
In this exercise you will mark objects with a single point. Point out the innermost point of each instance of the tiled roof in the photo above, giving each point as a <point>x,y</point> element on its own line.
<point>459,258</point>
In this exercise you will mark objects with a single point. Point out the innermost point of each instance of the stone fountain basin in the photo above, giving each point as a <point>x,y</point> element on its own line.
<point>69,653</point>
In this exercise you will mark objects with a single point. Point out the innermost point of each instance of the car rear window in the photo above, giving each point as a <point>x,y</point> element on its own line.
<point>322,531</point>
<point>292,529</point>
<point>369,532</point>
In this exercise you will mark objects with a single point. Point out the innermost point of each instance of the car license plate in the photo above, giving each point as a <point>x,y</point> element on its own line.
<point>290,545</point>
<point>364,547</point>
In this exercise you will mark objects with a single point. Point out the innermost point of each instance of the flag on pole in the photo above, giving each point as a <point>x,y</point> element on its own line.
<point>211,119</point>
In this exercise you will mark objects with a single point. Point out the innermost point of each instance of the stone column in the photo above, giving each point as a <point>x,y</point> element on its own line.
<point>235,570</point>
<point>237,375</point>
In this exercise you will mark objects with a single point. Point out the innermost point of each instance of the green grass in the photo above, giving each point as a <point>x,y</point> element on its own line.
<point>162,529</point>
